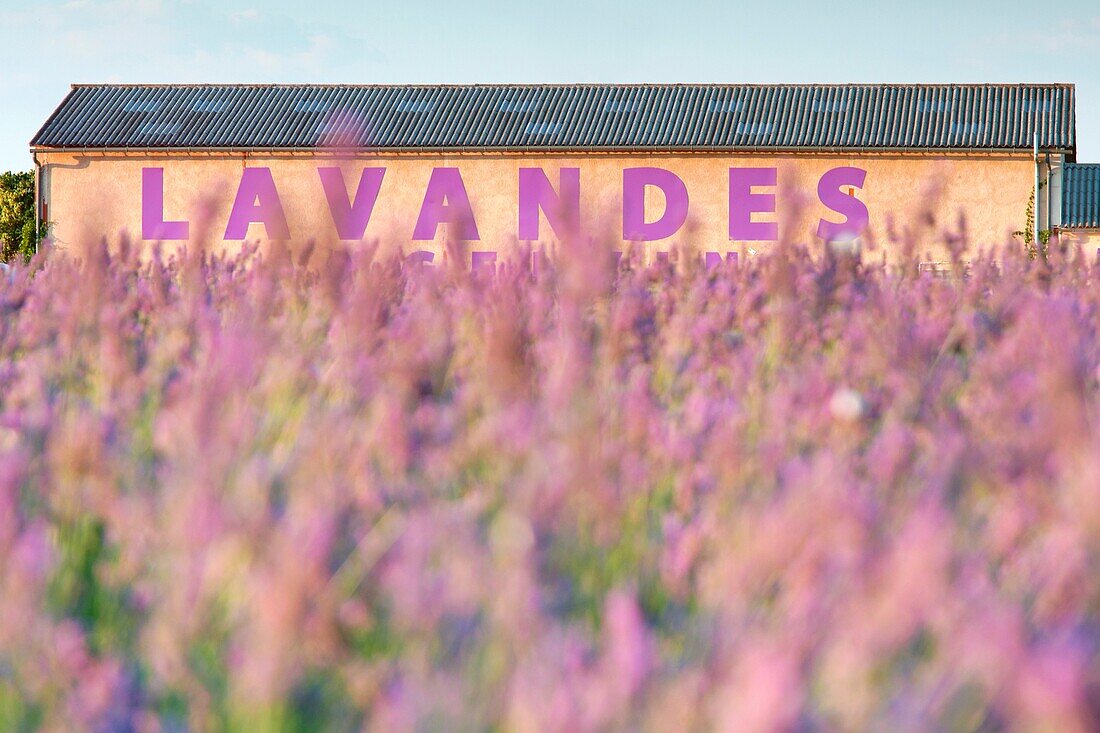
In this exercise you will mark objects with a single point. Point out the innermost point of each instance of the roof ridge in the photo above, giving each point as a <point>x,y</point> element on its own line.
<point>549,85</point>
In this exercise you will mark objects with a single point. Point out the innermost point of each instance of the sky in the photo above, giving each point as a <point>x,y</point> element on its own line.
<point>51,44</point>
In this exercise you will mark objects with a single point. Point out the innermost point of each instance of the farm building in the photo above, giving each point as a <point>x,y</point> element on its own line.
<point>727,167</point>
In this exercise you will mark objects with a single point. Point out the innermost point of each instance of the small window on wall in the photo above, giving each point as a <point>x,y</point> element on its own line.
<point>938,269</point>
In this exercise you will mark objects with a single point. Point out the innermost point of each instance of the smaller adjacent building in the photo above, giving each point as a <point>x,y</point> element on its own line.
<point>1080,222</point>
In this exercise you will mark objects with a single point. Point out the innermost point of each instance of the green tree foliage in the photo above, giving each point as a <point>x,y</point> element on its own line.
<point>17,230</point>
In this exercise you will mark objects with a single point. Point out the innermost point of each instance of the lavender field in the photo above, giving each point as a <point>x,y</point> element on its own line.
<point>330,491</point>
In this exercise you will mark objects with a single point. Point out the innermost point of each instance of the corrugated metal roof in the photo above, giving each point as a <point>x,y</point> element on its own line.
<point>1081,196</point>
<point>564,116</point>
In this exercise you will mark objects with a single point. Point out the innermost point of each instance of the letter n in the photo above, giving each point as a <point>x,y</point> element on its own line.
<point>562,210</point>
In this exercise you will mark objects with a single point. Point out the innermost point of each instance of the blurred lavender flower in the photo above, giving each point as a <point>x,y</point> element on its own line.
<point>328,489</point>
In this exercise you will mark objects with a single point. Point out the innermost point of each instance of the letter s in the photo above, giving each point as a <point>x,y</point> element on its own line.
<point>857,218</point>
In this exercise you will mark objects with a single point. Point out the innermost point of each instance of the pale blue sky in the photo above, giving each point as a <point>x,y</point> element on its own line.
<point>65,41</point>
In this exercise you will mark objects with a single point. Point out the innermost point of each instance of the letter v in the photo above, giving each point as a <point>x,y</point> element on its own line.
<point>351,217</point>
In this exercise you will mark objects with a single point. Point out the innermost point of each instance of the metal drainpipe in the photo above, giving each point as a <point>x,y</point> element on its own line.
<point>1050,185</point>
<point>37,201</point>
<point>1035,211</point>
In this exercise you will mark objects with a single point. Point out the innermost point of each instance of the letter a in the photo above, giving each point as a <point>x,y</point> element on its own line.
<point>446,202</point>
<point>257,202</point>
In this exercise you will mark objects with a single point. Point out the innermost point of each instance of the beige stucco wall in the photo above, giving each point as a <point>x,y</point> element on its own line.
<point>97,195</point>
<point>1087,239</point>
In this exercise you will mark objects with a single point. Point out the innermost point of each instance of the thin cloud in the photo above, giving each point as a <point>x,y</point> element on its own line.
<point>192,41</point>
<point>1072,36</point>
<point>244,16</point>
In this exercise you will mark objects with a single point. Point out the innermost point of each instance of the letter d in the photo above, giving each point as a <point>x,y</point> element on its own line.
<point>635,227</point>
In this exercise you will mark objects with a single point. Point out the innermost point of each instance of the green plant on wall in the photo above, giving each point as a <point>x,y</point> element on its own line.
<point>18,234</point>
<point>1027,233</point>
